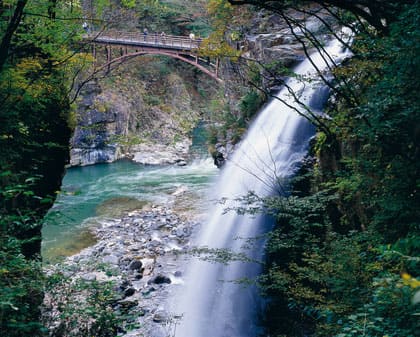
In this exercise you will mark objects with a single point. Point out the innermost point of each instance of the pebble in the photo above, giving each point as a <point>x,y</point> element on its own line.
<point>138,253</point>
<point>111,259</point>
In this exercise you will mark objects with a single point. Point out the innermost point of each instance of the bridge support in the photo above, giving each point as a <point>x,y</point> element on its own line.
<point>94,56</point>
<point>108,49</point>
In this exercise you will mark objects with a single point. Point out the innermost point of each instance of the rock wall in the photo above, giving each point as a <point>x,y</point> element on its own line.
<point>145,111</point>
<point>269,45</point>
<point>270,39</point>
<point>99,120</point>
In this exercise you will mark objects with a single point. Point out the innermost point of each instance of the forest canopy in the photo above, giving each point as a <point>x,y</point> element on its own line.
<point>377,13</point>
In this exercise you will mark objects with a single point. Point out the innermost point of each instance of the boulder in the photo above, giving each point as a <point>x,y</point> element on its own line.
<point>160,279</point>
<point>161,316</point>
<point>129,292</point>
<point>135,265</point>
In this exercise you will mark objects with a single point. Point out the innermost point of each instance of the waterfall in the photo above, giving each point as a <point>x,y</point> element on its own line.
<point>275,144</point>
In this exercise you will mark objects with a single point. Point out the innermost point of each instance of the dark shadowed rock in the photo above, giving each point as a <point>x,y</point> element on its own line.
<point>129,292</point>
<point>135,265</point>
<point>219,159</point>
<point>160,279</point>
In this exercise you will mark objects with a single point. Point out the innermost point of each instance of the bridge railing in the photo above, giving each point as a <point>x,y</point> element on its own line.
<point>153,39</point>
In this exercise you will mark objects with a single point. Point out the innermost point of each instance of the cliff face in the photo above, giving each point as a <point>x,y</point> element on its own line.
<point>144,110</point>
<point>147,106</point>
<point>271,41</point>
<point>99,120</point>
<point>269,51</point>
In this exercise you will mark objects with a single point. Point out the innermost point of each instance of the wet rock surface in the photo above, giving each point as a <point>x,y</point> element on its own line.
<point>158,154</point>
<point>142,254</point>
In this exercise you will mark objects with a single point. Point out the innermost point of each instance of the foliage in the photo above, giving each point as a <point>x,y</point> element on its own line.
<point>225,30</point>
<point>178,17</point>
<point>128,3</point>
<point>34,135</point>
<point>21,289</point>
<point>78,307</point>
<point>250,103</point>
<point>383,130</point>
<point>33,132</point>
<point>233,124</point>
<point>344,258</point>
<point>377,13</point>
<point>332,284</point>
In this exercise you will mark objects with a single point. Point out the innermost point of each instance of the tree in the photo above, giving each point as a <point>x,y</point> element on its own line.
<point>35,63</point>
<point>10,30</point>
<point>378,13</point>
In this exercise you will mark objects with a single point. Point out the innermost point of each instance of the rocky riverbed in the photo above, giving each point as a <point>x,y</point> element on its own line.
<point>141,255</point>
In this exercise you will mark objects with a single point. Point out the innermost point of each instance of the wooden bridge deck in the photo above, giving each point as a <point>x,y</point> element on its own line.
<point>155,40</point>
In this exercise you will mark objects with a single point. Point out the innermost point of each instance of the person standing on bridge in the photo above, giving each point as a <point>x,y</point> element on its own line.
<point>192,38</point>
<point>145,32</point>
<point>163,37</point>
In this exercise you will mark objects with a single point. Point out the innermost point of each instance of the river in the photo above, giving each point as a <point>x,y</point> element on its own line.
<point>91,194</point>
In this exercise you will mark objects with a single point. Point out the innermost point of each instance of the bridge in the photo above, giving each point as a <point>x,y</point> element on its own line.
<point>121,46</point>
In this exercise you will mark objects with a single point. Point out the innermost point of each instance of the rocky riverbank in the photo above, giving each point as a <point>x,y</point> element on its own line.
<point>140,255</point>
<point>158,154</point>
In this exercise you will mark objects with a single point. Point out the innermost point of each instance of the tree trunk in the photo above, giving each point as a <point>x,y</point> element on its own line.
<point>10,30</point>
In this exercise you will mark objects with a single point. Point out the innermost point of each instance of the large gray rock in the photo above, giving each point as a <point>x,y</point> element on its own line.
<point>98,122</point>
<point>161,316</point>
<point>111,259</point>
<point>159,154</point>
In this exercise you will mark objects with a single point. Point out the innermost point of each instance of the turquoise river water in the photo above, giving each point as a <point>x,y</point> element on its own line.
<point>91,194</point>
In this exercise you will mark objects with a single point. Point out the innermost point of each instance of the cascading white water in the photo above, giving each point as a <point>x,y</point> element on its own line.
<point>273,147</point>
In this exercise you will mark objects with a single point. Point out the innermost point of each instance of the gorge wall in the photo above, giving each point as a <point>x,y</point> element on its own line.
<point>146,109</point>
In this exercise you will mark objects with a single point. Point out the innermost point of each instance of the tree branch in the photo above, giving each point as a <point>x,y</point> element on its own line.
<point>10,30</point>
